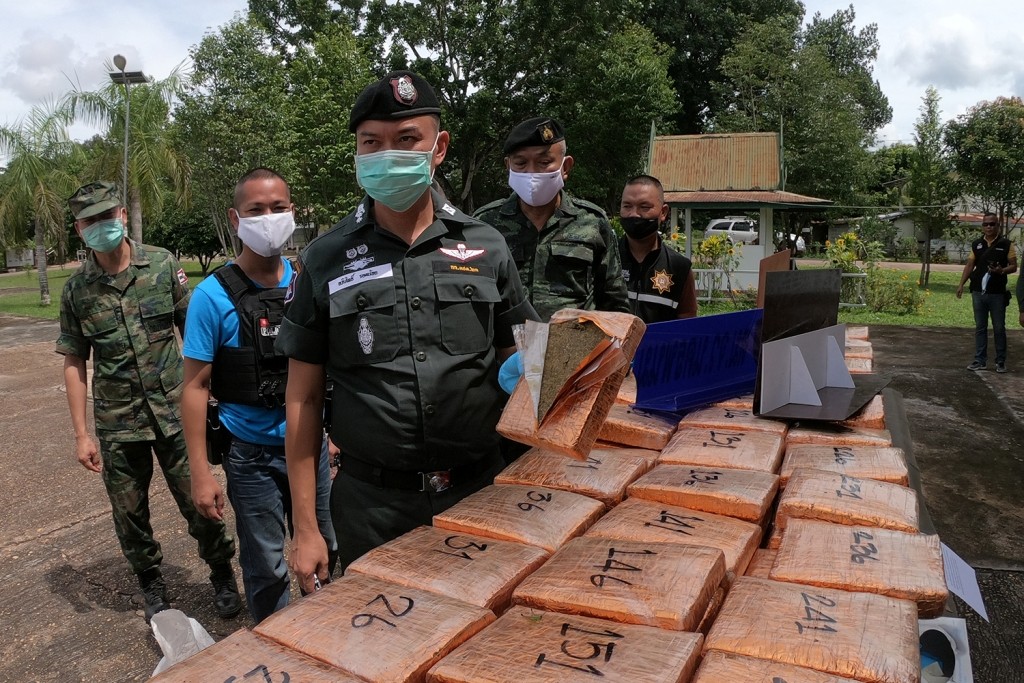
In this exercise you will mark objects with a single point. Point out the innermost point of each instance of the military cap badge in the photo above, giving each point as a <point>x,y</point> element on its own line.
<point>547,132</point>
<point>404,90</point>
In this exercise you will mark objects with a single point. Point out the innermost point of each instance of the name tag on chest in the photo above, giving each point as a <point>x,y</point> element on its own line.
<point>352,279</point>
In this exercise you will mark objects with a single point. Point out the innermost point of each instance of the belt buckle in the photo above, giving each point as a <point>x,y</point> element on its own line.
<point>437,481</point>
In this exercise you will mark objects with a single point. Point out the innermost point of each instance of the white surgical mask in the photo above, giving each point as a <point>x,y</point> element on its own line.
<point>268,233</point>
<point>536,189</point>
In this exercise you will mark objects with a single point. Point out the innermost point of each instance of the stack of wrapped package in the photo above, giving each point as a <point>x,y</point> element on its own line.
<point>717,548</point>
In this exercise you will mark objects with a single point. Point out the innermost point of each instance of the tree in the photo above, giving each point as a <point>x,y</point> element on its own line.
<point>232,116</point>
<point>985,144</point>
<point>496,63</point>
<point>187,233</point>
<point>36,185</point>
<point>783,78</point>
<point>700,34</point>
<point>931,186</point>
<point>153,160</point>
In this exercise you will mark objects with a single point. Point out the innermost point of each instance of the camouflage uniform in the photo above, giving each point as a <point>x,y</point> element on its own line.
<point>127,320</point>
<point>573,262</point>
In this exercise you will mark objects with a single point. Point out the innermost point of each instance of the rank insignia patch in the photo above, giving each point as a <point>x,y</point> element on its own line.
<point>661,281</point>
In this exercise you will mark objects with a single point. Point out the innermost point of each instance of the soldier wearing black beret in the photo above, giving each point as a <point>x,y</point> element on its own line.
<point>407,305</point>
<point>564,247</point>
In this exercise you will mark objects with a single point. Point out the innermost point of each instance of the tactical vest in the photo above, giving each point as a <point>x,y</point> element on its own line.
<point>253,374</point>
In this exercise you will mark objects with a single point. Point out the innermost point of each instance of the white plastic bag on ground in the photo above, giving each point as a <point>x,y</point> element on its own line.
<point>179,637</point>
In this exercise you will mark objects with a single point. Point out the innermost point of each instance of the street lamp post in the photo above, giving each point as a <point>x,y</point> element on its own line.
<point>127,79</point>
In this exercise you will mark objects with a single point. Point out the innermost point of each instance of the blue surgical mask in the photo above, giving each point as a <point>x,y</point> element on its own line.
<point>105,235</point>
<point>395,178</point>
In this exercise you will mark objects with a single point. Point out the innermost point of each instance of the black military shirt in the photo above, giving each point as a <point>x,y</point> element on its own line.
<point>408,335</point>
<point>999,252</point>
<point>655,286</point>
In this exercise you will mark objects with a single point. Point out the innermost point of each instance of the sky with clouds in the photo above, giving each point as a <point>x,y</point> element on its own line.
<point>966,50</point>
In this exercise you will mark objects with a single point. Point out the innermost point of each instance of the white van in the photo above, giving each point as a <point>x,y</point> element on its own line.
<point>739,229</point>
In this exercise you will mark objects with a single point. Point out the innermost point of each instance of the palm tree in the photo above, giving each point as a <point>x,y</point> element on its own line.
<point>153,160</point>
<point>37,183</point>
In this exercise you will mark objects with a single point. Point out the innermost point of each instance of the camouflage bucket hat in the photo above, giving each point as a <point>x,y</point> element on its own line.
<point>94,199</point>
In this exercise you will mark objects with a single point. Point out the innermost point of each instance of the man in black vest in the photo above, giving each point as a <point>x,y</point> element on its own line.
<point>233,320</point>
<point>992,259</point>
<point>659,280</point>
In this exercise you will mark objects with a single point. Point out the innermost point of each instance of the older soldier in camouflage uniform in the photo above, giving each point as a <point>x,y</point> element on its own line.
<point>564,247</point>
<point>122,305</point>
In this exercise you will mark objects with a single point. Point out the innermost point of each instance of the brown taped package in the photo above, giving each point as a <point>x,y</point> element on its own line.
<point>636,428</point>
<point>573,430</point>
<point>244,655</point>
<point>837,498</point>
<point>601,476</point>
<point>872,415</point>
<point>859,351</point>
<point>530,646</point>
<point>881,463</point>
<point>723,667</point>
<point>744,494</point>
<point>646,522</point>
<point>477,570</point>
<point>857,332</point>
<point>627,391</point>
<point>376,630</point>
<point>732,419</point>
<point>867,637</point>
<point>839,435</point>
<point>739,449</point>
<point>605,448</point>
<point>866,559</point>
<point>525,514</point>
<point>761,563</point>
<point>744,402</point>
<point>654,584</point>
<point>859,366</point>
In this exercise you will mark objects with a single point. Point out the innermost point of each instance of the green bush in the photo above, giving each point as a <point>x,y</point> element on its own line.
<point>893,292</point>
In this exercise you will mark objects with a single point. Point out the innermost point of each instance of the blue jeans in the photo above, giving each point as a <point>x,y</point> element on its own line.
<point>985,304</point>
<point>258,491</point>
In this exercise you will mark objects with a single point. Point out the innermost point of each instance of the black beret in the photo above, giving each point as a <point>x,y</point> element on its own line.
<point>536,132</point>
<point>398,95</point>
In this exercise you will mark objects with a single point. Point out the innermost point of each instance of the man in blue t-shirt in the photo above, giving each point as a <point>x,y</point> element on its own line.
<point>228,353</point>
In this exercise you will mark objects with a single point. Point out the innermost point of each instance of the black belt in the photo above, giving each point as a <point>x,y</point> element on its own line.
<point>436,481</point>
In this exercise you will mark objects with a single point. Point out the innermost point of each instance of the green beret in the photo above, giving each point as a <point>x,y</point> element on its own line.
<point>540,131</point>
<point>94,199</point>
<point>398,95</point>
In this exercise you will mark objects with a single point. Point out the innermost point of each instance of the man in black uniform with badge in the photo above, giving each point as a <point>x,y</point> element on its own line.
<point>659,280</point>
<point>407,305</point>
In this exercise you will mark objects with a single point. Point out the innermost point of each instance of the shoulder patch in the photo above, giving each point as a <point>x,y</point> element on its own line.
<point>182,278</point>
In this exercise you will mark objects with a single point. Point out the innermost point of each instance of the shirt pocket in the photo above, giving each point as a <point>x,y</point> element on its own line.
<point>364,329</point>
<point>112,404</point>
<point>101,325</point>
<point>158,318</point>
<point>465,305</point>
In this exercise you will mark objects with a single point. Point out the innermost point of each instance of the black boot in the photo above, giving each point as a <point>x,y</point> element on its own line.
<point>226,600</point>
<point>154,592</point>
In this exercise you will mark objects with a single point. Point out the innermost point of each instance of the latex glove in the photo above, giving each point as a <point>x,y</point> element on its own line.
<point>510,372</point>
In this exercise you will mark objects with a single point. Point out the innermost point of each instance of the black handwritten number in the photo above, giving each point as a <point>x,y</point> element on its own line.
<point>701,477</point>
<point>611,564</point>
<point>263,672</point>
<point>363,620</point>
<point>679,521</point>
<point>537,498</point>
<point>729,439</point>
<point>587,669</point>
<point>819,620</point>
<point>595,650</point>
<point>729,414</point>
<point>859,536</point>
<point>862,551</point>
<point>849,488</point>
<point>590,464</point>
<point>566,627</point>
<point>844,454</point>
<point>451,543</point>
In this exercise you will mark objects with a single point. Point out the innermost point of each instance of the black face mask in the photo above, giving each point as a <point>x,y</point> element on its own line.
<point>638,227</point>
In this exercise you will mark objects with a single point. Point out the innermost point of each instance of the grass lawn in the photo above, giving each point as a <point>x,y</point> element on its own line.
<point>19,295</point>
<point>19,292</point>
